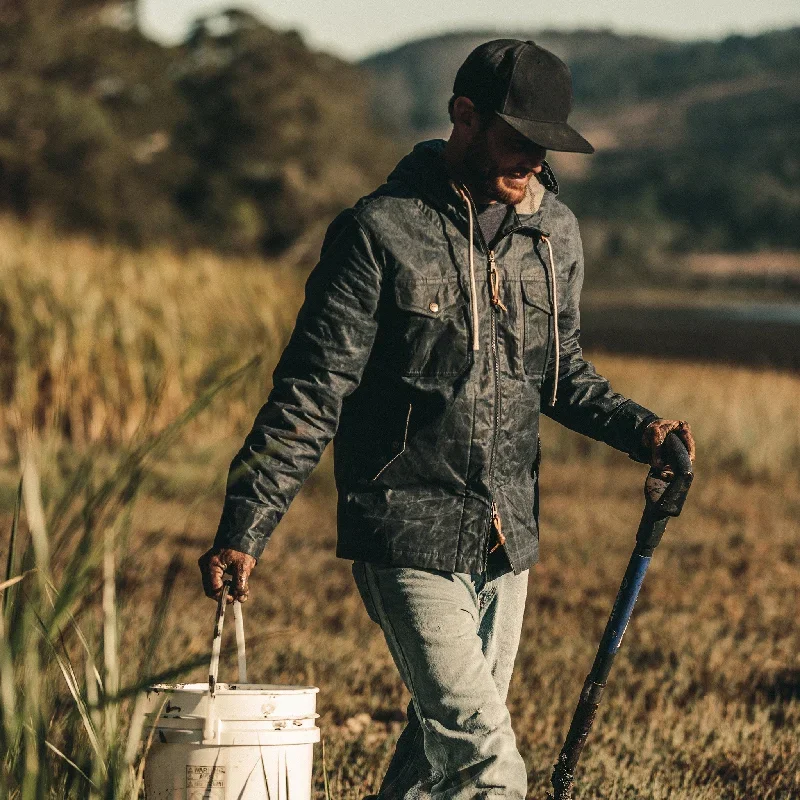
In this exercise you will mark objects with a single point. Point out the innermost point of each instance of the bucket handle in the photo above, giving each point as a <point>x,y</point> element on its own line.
<point>216,644</point>
<point>211,727</point>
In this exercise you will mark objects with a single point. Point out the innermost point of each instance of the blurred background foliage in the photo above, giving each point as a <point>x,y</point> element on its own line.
<point>244,140</point>
<point>240,139</point>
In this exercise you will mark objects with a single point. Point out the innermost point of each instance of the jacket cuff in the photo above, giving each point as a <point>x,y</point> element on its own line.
<point>638,451</point>
<point>245,526</point>
<point>627,424</point>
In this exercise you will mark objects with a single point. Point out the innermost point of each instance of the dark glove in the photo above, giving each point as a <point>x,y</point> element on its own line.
<point>216,562</point>
<point>653,439</point>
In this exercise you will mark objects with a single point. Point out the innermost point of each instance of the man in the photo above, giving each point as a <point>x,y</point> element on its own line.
<point>442,316</point>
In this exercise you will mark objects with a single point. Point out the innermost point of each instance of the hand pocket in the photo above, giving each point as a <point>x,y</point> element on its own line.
<point>397,445</point>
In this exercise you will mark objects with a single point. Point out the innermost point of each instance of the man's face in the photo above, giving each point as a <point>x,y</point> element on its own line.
<point>499,162</point>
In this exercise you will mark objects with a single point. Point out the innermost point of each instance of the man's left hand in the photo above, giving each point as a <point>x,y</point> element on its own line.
<point>656,433</point>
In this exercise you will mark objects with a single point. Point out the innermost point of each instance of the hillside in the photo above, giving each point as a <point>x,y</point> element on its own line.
<point>698,143</point>
<point>413,82</point>
<point>246,140</point>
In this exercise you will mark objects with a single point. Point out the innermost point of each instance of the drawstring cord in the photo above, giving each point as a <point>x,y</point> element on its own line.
<point>546,240</point>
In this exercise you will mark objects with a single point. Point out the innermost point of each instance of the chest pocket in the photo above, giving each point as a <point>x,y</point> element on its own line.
<point>427,328</point>
<point>537,325</point>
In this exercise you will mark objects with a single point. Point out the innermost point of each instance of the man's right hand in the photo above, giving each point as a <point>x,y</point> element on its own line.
<point>655,435</point>
<point>216,562</point>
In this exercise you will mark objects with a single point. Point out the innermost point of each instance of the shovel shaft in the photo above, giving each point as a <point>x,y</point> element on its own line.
<point>651,529</point>
<point>664,498</point>
<point>583,718</point>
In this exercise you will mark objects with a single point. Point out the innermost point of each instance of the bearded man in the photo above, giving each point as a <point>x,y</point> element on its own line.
<point>441,318</point>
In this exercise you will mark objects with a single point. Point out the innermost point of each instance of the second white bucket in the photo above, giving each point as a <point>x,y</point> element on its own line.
<point>224,741</point>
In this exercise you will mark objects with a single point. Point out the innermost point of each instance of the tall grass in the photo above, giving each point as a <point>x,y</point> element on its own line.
<point>94,340</point>
<point>68,726</point>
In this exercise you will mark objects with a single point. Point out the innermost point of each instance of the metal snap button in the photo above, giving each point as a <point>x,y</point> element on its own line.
<point>434,307</point>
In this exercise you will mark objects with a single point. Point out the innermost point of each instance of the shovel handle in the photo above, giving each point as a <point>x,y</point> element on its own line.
<point>678,455</point>
<point>664,496</point>
<point>663,499</point>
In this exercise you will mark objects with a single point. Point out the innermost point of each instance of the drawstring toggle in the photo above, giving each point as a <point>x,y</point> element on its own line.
<point>494,283</point>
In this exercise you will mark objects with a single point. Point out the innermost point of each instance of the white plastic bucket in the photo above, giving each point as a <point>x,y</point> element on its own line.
<point>224,741</point>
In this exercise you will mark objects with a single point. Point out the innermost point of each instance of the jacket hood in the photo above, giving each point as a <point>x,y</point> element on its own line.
<point>424,171</point>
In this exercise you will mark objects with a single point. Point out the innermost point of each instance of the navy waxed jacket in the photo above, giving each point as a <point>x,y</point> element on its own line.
<point>427,354</point>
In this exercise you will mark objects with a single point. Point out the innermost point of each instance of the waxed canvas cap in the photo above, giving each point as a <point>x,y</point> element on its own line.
<point>527,86</point>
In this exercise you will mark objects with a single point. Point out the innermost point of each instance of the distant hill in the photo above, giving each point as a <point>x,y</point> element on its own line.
<point>414,81</point>
<point>698,143</point>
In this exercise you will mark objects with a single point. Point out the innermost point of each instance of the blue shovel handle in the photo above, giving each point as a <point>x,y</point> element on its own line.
<point>664,498</point>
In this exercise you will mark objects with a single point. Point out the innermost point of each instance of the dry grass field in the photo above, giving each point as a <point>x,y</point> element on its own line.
<point>103,349</point>
<point>704,701</point>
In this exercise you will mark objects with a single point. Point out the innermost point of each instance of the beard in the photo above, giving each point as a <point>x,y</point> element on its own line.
<point>488,179</point>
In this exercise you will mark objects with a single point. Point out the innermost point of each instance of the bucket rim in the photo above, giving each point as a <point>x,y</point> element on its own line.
<point>233,688</point>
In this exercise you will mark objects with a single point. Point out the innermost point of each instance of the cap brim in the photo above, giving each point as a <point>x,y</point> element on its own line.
<point>556,136</point>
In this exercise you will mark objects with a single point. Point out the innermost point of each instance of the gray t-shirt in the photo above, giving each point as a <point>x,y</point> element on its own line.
<point>491,218</point>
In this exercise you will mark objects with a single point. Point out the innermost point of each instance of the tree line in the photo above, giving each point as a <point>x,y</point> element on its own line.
<point>241,138</point>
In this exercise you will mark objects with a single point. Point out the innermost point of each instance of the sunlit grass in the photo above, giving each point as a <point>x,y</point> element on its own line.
<point>96,342</point>
<point>745,420</point>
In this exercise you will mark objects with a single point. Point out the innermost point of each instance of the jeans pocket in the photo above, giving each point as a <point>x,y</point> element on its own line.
<point>360,577</point>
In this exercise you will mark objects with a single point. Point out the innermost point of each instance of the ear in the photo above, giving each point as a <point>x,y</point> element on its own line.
<point>465,115</point>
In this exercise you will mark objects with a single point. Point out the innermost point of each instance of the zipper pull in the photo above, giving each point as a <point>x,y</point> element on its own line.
<point>498,526</point>
<point>494,283</point>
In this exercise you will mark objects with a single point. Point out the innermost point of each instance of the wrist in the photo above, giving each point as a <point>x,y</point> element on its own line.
<point>642,451</point>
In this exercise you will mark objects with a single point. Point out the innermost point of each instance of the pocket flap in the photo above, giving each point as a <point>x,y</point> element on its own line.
<point>429,299</point>
<point>536,292</point>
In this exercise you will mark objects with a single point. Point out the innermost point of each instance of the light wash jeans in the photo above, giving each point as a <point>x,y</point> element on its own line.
<point>453,637</point>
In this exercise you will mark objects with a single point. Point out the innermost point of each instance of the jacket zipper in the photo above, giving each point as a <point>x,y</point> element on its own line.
<point>497,522</point>
<point>494,283</point>
<point>496,365</point>
<point>494,286</point>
